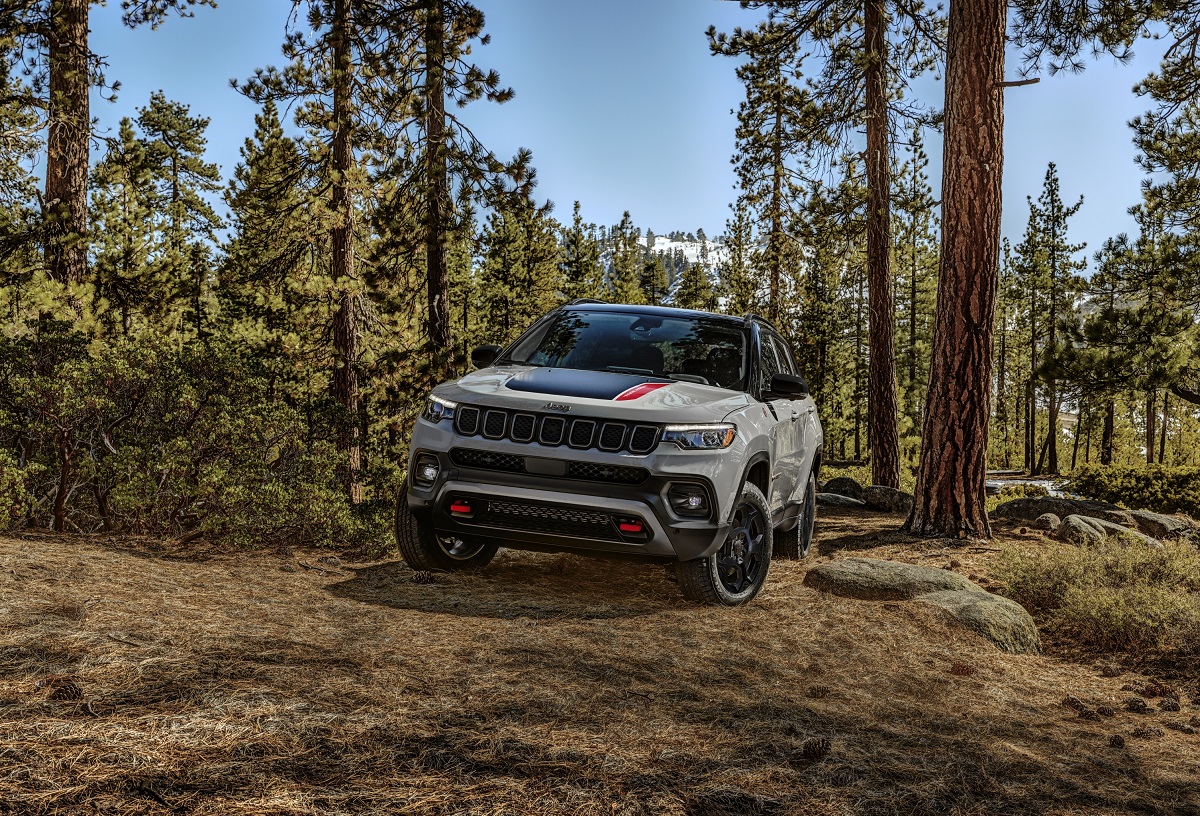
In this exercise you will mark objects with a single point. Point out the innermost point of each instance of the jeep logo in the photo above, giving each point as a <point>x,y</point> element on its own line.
<point>557,406</point>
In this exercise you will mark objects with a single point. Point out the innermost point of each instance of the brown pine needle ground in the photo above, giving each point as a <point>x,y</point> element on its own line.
<point>246,684</point>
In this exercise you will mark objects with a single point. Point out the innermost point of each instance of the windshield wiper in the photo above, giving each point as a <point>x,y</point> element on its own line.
<point>630,370</point>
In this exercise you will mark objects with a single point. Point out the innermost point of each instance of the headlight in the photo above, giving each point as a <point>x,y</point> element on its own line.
<point>700,437</point>
<point>436,409</point>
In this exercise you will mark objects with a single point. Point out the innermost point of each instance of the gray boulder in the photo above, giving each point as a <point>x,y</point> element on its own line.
<point>871,579</point>
<point>844,486</point>
<point>1047,521</point>
<point>1162,526</point>
<point>1000,620</point>
<point>838,500</point>
<point>1084,530</point>
<point>887,499</point>
<point>1029,508</point>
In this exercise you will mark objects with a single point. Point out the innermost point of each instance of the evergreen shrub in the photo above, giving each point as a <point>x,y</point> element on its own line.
<point>14,495</point>
<point>170,441</point>
<point>1157,488</point>
<point>1121,595</point>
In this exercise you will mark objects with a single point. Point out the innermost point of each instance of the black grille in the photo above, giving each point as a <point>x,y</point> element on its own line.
<point>580,433</point>
<point>522,427</point>
<point>486,460</point>
<point>467,420</point>
<point>612,436</point>
<point>494,423</point>
<point>595,472</point>
<point>552,430</point>
<point>546,518</point>
<point>643,439</point>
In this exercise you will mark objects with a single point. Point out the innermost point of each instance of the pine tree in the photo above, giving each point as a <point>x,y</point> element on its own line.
<point>626,265</point>
<point>739,286</point>
<point>520,278</point>
<point>583,274</point>
<point>125,203</point>
<point>915,258</point>
<point>49,40</point>
<point>1046,270</point>
<point>653,281</point>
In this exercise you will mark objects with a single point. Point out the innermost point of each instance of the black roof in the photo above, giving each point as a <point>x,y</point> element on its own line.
<point>663,311</point>
<point>660,311</point>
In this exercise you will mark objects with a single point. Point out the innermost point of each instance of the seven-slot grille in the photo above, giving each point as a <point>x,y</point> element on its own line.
<point>575,432</point>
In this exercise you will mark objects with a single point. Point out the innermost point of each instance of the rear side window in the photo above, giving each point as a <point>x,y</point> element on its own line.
<point>770,361</point>
<point>786,364</point>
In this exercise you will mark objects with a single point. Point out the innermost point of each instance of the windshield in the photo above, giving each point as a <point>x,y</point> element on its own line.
<point>694,349</point>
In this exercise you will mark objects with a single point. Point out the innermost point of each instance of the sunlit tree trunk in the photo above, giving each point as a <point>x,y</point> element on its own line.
<point>950,491</point>
<point>67,141</point>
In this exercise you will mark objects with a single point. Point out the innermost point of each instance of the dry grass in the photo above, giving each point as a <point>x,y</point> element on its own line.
<point>240,684</point>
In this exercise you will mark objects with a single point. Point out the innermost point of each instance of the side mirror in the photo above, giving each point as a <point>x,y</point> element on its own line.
<point>484,356</point>
<point>789,385</point>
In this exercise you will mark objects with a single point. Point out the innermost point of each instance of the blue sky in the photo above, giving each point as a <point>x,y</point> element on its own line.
<point>624,108</point>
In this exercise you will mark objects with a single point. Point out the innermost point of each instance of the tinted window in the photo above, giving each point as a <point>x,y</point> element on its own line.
<point>770,363</point>
<point>694,349</point>
<point>786,364</point>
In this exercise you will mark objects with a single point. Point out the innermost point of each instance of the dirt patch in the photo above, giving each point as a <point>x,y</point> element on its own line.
<point>550,684</point>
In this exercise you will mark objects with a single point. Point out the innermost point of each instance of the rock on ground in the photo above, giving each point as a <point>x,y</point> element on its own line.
<point>838,500</point>
<point>1163,526</point>
<point>1003,622</point>
<point>871,579</point>
<point>1047,521</point>
<point>1084,530</point>
<point>1000,620</point>
<point>844,486</point>
<point>887,499</point>
<point>1029,508</point>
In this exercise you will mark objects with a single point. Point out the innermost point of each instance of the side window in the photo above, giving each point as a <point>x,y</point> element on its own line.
<point>769,365</point>
<point>786,364</point>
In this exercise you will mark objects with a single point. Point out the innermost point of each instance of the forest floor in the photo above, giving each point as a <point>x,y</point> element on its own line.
<point>140,679</point>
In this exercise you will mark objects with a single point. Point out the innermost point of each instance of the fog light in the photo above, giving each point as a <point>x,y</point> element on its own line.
<point>689,500</point>
<point>425,469</point>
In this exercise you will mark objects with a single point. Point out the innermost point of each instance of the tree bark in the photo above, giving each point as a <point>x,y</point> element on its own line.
<point>1106,435</point>
<point>1162,437</point>
<point>950,493</point>
<point>67,142</point>
<point>345,320</point>
<point>883,429</point>
<point>1151,416</point>
<point>439,204</point>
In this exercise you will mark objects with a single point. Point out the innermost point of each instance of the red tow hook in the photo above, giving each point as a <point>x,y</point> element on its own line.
<point>461,506</point>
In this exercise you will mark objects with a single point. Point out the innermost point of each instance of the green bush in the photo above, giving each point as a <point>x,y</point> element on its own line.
<point>15,500</point>
<point>1151,487</point>
<point>1121,595</point>
<point>1022,490</point>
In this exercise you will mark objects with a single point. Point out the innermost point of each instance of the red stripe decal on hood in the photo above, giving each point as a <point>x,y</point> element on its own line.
<point>639,391</point>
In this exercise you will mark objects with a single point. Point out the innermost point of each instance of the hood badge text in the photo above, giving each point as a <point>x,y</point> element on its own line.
<point>557,406</point>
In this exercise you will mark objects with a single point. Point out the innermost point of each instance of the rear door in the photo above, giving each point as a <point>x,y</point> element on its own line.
<point>783,435</point>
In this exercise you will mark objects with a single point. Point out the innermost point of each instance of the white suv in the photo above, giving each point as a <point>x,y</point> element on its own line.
<point>662,434</point>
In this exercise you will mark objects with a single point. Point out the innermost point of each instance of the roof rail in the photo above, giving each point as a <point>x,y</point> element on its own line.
<point>583,301</point>
<point>749,317</point>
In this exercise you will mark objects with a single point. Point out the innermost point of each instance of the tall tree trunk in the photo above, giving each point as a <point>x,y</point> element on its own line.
<point>775,236</point>
<point>950,492</point>
<point>58,512</point>
<point>858,322</point>
<point>438,178</point>
<point>883,407</point>
<point>1106,435</point>
<point>345,320</point>
<point>1078,429</point>
<point>1151,416</point>
<point>1162,437</point>
<point>67,142</point>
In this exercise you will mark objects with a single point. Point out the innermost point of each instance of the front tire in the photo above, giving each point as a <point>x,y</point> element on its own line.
<point>736,572</point>
<point>424,548</point>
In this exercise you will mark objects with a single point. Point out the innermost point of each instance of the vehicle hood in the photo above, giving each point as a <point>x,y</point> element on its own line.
<point>594,393</point>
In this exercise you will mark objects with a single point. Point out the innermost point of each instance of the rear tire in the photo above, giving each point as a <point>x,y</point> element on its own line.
<point>736,572</point>
<point>793,544</point>
<point>424,548</point>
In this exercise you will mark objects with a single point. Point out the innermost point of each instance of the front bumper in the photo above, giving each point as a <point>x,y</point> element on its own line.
<point>540,511</point>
